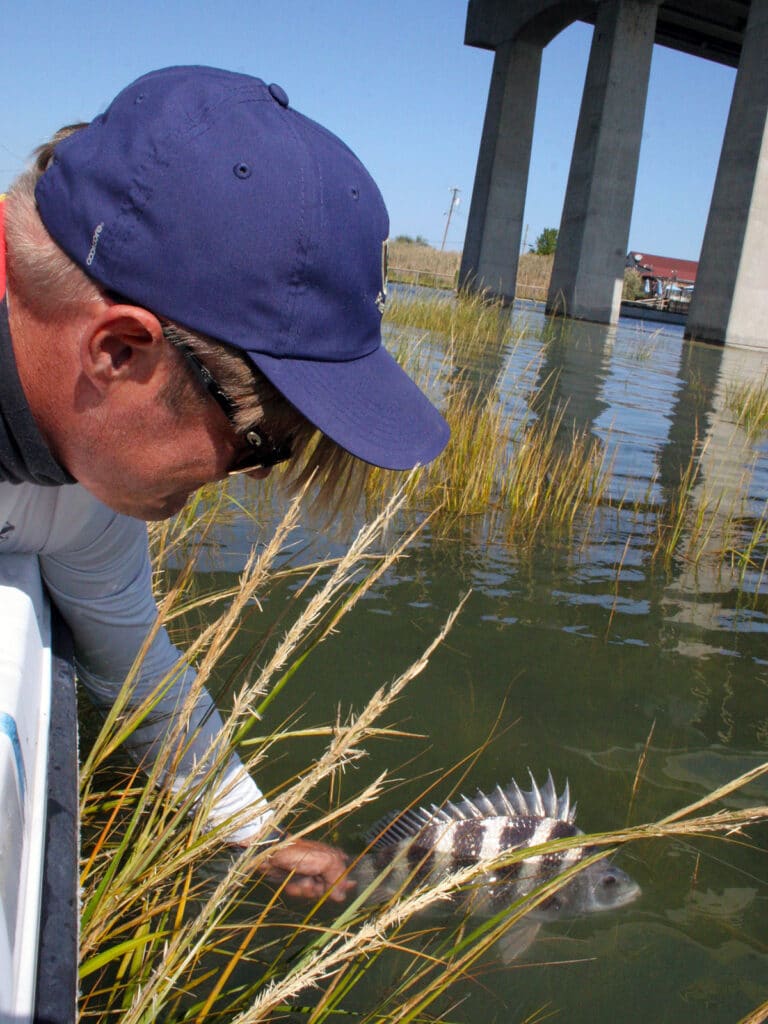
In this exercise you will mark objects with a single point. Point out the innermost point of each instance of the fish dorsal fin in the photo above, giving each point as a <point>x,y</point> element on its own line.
<point>466,809</point>
<point>400,826</point>
<point>510,802</point>
<point>540,802</point>
<point>564,809</point>
<point>489,806</point>
<point>445,814</point>
<point>470,809</point>
<point>535,801</point>
<point>501,804</point>
<point>549,797</point>
<point>454,812</point>
<point>517,799</point>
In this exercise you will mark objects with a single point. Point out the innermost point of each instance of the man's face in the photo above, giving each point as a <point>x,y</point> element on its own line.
<point>144,458</point>
<point>168,465</point>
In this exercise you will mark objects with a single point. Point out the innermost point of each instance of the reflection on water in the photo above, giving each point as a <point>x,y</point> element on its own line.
<point>569,660</point>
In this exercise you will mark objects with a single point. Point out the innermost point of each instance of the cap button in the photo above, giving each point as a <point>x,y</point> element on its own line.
<point>278,94</point>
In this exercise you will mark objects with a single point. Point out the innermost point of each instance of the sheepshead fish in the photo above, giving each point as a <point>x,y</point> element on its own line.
<point>428,844</point>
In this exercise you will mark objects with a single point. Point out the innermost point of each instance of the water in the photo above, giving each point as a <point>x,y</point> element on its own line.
<point>563,661</point>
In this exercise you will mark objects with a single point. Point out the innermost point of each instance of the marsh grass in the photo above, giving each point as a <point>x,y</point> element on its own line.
<point>556,481</point>
<point>140,930</point>
<point>693,526</point>
<point>526,474</point>
<point>468,325</point>
<point>749,403</point>
<point>747,552</point>
<point>525,478</point>
<point>522,475</point>
<point>680,523</point>
<point>698,525</point>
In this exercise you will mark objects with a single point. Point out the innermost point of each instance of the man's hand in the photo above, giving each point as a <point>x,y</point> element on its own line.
<point>315,869</point>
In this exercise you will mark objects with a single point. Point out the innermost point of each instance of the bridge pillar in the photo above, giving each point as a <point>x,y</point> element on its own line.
<point>588,271</point>
<point>494,227</point>
<point>730,300</point>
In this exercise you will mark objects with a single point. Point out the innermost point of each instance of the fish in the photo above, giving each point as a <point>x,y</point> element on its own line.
<point>428,844</point>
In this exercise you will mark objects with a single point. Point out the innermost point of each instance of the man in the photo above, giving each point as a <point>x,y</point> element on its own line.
<point>194,288</point>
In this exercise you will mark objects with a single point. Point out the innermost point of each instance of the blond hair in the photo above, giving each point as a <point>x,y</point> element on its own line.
<point>50,283</point>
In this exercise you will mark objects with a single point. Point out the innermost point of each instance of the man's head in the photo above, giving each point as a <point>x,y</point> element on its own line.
<point>252,240</point>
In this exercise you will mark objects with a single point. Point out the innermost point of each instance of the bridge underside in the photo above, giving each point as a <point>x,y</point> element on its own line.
<point>713,29</point>
<point>730,303</point>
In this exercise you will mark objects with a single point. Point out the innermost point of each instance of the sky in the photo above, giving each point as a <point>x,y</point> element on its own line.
<point>393,79</point>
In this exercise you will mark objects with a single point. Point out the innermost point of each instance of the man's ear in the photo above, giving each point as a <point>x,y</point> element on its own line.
<point>122,343</point>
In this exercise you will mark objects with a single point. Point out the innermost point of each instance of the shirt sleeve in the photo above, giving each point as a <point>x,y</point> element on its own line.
<point>99,576</point>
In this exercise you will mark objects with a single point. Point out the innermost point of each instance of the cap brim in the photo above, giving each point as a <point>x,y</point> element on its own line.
<point>369,406</point>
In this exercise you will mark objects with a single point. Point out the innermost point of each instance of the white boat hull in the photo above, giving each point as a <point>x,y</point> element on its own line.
<point>38,852</point>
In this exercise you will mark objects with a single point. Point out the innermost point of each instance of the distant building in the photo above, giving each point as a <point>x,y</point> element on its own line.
<point>663,277</point>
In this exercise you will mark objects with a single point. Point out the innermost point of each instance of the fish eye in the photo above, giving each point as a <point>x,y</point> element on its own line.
<point>610,880</point>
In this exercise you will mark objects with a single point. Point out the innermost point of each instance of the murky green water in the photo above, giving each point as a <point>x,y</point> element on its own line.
<point>563,661</point>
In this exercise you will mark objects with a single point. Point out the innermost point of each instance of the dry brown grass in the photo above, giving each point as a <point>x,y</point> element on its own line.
<point>412,263</point>
<point>533,274</point>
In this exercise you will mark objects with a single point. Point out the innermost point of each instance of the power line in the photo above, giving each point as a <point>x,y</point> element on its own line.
<point>454,203</point>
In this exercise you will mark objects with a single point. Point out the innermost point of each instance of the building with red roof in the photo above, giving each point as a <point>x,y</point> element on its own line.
<point>662,273</point>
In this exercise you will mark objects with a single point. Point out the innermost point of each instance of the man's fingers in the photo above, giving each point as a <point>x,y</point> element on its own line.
<point>314,869</point>
<point>315,886</point>
<point>341,889</point>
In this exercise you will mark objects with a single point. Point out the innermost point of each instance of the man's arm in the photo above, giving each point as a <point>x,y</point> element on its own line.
<point>99,575</point>
<point>100,579</point>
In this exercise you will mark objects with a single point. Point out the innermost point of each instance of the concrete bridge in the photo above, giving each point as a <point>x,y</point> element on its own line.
<point>730,302</point>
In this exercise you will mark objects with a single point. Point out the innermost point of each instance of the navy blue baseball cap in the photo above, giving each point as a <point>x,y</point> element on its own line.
<point>201,195</point>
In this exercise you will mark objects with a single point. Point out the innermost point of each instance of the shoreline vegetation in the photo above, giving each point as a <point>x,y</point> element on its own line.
<point>418,264</point>
<point>175,928</point>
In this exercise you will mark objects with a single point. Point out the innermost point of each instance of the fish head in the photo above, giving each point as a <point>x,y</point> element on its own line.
<point>601,886</point>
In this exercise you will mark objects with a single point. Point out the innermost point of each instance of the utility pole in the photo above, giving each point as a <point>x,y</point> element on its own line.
<point>454,204</point>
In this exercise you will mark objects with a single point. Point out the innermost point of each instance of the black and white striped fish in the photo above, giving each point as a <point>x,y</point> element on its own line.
<point>423,844</point>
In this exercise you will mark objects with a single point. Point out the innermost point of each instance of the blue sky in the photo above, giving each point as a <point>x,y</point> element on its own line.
<point>393,79</point>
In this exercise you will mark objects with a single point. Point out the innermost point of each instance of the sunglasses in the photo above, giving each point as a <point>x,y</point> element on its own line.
<point>263,450</point>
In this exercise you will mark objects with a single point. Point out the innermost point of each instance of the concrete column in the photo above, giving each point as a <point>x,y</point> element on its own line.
<point>730,301</point>
<point>594,231</point>
<point>494,228</point>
